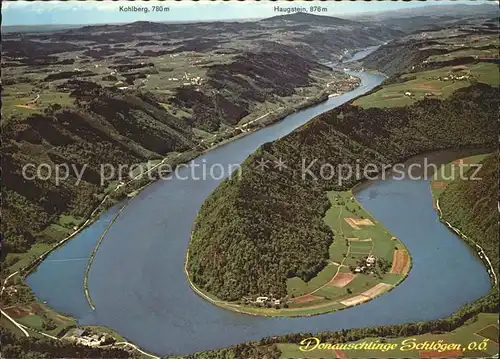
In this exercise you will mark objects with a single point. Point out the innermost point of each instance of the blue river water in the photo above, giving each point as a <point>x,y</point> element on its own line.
<point>139,288</point>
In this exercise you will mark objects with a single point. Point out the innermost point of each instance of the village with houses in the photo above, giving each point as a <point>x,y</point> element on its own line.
<point>267,302</point>
<point>89,338</point>
<point>457,73</point>
<point>338,86</point>
<point>366,264</point>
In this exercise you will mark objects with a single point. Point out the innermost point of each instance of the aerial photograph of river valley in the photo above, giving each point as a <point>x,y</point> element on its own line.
<point>250,179</point>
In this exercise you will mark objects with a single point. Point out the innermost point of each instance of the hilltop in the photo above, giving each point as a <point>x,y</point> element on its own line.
<point>430,17</point>
<point>465,43</point>
<point>302,17</point>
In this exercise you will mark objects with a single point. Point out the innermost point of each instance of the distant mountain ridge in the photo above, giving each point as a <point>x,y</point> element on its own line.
<point>416,19</point>
<point>302,17</point>
<point>455,10</point>
<point>107,111</point>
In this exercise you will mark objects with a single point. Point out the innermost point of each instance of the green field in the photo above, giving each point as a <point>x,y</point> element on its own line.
<point>21,260</point>
<point>24,99</point>
<point>309,309</point>
<point>39,317</point>
<point>470,41</point>
<point>464,53</point>
<point>486,326</point>
<point>54,233</point>
<point>297,286</point>
<point>351,244</point>
<point>428,82</point>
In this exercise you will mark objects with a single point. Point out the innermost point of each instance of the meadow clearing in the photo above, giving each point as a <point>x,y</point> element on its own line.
<point>439,83</point>
<point>336,287</point>
<point>357,236</point>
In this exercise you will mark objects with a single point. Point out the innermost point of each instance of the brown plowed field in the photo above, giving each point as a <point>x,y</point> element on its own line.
<point>340,354</point>
<point>306,298</point>
<point>400,262</point>
<point>439,184</point>
<point>342,279</point>
<point>16,312</point>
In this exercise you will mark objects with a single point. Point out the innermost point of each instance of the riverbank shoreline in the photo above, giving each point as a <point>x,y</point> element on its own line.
<point>316,309</point>
<point>270,312</point>
<point>108,201</point>
<point>260,327</point>
<point>478,250</point>
<point>190,154</point>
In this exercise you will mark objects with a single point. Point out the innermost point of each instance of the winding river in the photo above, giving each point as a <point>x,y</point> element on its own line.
<point>139,287</point>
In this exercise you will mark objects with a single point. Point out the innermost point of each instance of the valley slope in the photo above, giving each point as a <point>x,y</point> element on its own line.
<point>472,207</point>
<point>254,233</point>
<point>123,95</point>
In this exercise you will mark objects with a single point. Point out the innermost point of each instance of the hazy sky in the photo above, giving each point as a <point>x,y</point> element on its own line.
<point>92,12</point>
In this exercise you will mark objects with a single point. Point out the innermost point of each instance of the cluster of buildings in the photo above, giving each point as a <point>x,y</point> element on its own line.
<point>188,81</point>
<point>192,80</point>
<point>452,77</point>
<point>80,336</point>
<point>342,85</point>
<point>267,300</point>
<point>366,264</point>
<point>10,290</point>
<point>427,94</point>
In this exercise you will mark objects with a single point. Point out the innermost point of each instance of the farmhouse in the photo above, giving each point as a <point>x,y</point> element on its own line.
<point>455,77</point>
<point>268,300</point>
<point>365,265</point>
<point>87,338</point>
<point>91,341</point>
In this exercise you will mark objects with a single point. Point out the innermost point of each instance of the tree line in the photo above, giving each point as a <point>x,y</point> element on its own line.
<point>253,233</point>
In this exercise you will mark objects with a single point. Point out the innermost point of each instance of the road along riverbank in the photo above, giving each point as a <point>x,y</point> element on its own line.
<point>343,282</point>
<point>140,289</point>
<point>153,289</point>
<point>246,145</point>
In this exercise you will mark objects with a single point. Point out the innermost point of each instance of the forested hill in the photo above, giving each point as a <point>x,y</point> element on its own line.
<point>254,233</point>
<point>102,95</point>
<point>446,46</point>
<point>471,206</point>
